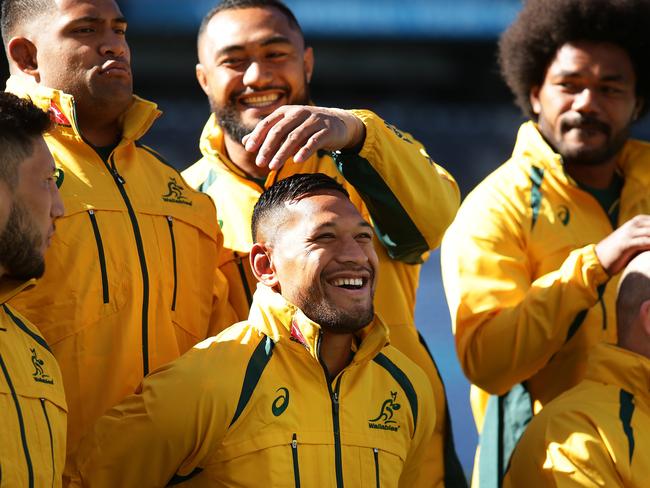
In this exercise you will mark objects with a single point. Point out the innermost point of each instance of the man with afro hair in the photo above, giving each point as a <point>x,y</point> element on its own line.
<point>530,265</point>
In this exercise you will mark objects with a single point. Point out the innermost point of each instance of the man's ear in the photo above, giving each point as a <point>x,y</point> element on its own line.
<point>262,265</point>
<point>534,100</point>
<point>308,61</point>
<point>22,55</point>
<point>640,103</point>
<point>202,77</point>
<point>644,316</point>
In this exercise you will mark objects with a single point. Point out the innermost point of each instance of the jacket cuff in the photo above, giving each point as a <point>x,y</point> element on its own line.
<point>591,272</point>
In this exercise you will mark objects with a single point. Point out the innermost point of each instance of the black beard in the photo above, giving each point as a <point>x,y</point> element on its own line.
<point>19,246</point>
<point>597,156</point>
<point>229,118</point>
<point>335,320</point>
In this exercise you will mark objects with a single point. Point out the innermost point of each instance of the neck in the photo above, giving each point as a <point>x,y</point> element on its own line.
<point>243,159</point>
<point>100,133</point>
<point>335,352</point>
<point>596,176</point>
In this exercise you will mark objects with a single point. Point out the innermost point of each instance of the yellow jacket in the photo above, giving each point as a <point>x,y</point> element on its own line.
<point>257,410</point>
<point>32,402</point>
<point>394,183</point>
<point>527,294</point>
<point>130,279</point>
<point>596,434</point>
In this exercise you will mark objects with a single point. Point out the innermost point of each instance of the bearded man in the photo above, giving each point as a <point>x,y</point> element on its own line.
<point>530,265</point>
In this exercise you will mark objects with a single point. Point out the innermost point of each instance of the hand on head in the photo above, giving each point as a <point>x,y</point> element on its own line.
<point>298,132</point>
<point>617,249</point>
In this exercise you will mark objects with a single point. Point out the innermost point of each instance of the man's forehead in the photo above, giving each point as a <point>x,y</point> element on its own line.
<point>246,26</point>
<point>91,8</point>
<point>602,58</point>
<point>327,207</point>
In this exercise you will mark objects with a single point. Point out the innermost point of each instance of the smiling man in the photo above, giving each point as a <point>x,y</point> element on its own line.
<point>255,68</point>
<point>130,281</point>
<point>305,392</point>
<point>530,265</point>
<point>32,400</point>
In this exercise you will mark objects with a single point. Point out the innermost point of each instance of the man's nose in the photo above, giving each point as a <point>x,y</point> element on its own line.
<point>257,74</point>
<point>585,101</point>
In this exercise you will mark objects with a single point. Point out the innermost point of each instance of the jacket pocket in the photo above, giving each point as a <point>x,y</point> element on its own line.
<point>101,254</point>
<point>49,430</point>
<point>375,453</point>
<point>294,455</point>
<point>170,223</point>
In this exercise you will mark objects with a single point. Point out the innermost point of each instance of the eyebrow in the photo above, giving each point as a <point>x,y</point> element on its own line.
<point>278,39</point>
<point>95,20</point>
<point>361,223</point>
<point>577,74</point>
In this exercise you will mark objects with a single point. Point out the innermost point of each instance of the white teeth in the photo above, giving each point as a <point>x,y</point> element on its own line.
<point>261,100</point>
<point>348,282</point>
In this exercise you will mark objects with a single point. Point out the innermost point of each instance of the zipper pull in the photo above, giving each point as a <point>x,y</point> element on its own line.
<point>117,176</point>
<point>294,442</point>
<point>170,219</point>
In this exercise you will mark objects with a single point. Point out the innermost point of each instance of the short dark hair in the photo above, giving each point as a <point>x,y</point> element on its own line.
<point>240,4</point>
<point>20,123</point>
<point>288,190</point>
<point>528,46</point>
<point>17,12</point>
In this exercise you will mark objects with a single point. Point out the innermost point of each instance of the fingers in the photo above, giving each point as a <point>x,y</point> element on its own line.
<point>617,249</point>
<point>294,131</point>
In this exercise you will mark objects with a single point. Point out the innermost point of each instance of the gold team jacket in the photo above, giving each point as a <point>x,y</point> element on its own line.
<point>32,402</point>
<point>131,278</point>
<point>527,294</point>
<point>596,434</point>
<point>395,184</point>
<point>254,407</point>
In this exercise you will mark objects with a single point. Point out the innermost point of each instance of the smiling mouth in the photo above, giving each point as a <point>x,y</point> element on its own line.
<point>260,101</point>
<point>349,283</point>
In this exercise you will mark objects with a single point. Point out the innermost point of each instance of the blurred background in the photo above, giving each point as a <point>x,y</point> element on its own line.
<point>427,66</point>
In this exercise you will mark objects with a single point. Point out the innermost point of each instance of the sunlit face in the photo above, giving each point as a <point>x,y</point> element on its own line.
<point>587,102</point>
<point>325,263</point>
<point>252,61</point>
<point>82,50</point>
<point>35,205</point>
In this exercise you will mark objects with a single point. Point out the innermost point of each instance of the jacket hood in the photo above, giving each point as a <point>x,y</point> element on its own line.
<point>280,320</point>
<point>213,146</point>
<point>11,288</point>
<point>614,365</point>
<point>532,146</point>
<point>136,121</point>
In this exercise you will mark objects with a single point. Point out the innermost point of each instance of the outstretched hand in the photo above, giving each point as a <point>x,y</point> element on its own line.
<point>299,131</point>
<point>618,248</point>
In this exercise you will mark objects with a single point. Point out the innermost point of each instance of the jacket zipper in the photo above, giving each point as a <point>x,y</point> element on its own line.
<point>601,292</point>
<point>21,423</point>
<point>120,182</point>
<point>294,454</point>
<point>334,399</point>
<point>100,252</point>
<point>49,429</point>
<point>170,221</point>
<point>244,280</point>
<point>375,451</point>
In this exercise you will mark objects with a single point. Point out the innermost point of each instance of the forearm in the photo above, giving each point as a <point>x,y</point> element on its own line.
<point>499,347</point>
<point>411,199</point>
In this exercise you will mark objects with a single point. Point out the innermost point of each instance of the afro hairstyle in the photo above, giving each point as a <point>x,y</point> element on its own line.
<point>529,45</point>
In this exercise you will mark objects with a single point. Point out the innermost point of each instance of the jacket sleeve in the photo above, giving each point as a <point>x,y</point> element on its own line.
<point>417,472</point>
<point>411,199</point>
<point>564,451</point>
<point>223,312</point>
<point>160,433</point>
<point>507,323</point>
